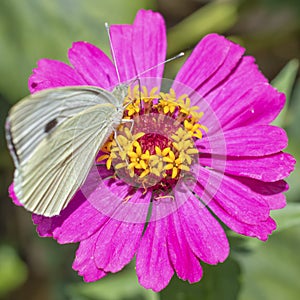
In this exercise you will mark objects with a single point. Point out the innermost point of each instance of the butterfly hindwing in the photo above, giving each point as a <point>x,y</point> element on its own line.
<point>60,163</point>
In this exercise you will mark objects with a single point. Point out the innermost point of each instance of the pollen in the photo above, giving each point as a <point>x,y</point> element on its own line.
<point>108,154</point>
<point>186,108</point>
<point>157,161</point>
<point>166,106</point>
<point>155,154</point>
<point>138,160</point>
<point>175,164</point>
<point>133,108</point>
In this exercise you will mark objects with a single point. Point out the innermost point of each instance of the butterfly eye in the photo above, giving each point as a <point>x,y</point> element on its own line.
<point>50,125</point>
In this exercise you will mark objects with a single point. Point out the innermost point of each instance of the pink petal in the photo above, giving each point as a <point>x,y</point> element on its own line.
<point>13,196</point>
<point>237,89</point>
<point>45,226</point>
<point>93,65</point>
<point>111,198</point>
<point>268,168</point>
<point>51,74</point>
<point>246,75</point>
<point>82,217</point>
<point>277,201</point>
<point>261,230</point>
<point>182,258</point>
<point>153,265</point>
<point>235,198</point>
<point>121,36</point>
<point>118,240</point>
<point>272,192</point>
<point>77,221</point>
<point>258,105</point>
<point>84,260</point>
<point>149,42</point>
<point>213,59</point>
<point>204,234</point>
<point>257,140</point>
<point>140,46</point>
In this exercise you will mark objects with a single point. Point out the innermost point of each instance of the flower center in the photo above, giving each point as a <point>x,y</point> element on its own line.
<point>160,148</point>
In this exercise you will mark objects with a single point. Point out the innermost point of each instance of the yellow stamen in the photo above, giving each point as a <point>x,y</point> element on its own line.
<point>168,162</point>
<point>164,197</point>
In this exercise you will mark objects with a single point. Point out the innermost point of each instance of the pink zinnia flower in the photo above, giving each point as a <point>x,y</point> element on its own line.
<point>221,107</point>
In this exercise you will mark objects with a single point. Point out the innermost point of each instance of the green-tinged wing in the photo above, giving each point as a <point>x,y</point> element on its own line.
<point>34,117</point>
<point>58,166</point>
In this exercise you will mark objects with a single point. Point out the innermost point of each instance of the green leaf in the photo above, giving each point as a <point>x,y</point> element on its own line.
<point>293,127</point>
<point>218,282</point>
<point>293,130</point>
<point>35,29</point>
<point>13,271</point>
<point>121,286</point>
<point>272,270</point>
<point>214,17</point>
<point>287,217</point>
<point>284,83</point>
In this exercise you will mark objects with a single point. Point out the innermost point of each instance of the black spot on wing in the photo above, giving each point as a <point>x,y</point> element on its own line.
<point>50,125</point>
<point>11,145</point>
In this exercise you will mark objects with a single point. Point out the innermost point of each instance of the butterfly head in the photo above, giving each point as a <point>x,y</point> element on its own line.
<point>120,92</point>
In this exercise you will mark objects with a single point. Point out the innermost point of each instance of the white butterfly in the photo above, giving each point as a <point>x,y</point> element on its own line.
<point>54,136</point>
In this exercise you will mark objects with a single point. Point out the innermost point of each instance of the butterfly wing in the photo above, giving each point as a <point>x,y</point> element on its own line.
<point>58,166</point>
<point>34,117</point>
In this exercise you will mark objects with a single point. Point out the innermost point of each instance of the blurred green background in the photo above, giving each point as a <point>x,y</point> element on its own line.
<point>37,268</point>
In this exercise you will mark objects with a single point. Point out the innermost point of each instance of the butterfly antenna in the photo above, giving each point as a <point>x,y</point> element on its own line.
<point>159,64</point>
<point>112,51</point>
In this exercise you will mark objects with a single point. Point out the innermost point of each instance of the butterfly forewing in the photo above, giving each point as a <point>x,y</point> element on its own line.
<point>58,166</point>
<point>37,115</point>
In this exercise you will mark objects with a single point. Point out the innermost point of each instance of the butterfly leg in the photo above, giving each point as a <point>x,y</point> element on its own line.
<point>118,144</point>
<point>129,121</point>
